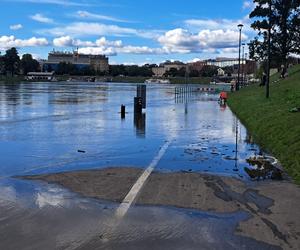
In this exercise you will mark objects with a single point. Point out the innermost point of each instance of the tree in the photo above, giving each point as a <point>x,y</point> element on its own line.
<point>2,65</point>
<point>284,22</point>
<point>172,72</point>
<point>228,70</point>
<point>28,64</point>
<point>11,61</point>
<point>209,71</point>
<point>194,73</point>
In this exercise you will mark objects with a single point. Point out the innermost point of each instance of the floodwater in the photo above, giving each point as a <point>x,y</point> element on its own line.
<point>43,125</point>
<point>55,127</point>
<point>45,216</point>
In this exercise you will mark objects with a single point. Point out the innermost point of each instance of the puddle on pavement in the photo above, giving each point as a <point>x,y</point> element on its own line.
<point>43,216</point>
<point>45,127</point>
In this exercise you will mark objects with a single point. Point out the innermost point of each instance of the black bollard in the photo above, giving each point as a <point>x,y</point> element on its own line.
<point>138,105</point>
<point>123,111</point>
<point>141,92</point>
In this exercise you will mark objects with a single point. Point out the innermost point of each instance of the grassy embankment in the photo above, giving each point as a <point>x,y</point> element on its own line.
<point>270,121</point>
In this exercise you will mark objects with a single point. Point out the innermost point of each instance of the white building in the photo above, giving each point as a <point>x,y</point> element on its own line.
<point>224,62</point>
<point>221,72</point>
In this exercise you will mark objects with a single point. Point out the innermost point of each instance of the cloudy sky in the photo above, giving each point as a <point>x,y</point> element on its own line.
<point>143,31</point>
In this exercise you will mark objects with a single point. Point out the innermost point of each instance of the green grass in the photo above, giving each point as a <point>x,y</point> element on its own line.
<point>270,121</point>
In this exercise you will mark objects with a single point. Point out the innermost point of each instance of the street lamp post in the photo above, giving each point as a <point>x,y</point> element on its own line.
<point>237,86</point>
<point>269,52</point>
<point>243,66</point>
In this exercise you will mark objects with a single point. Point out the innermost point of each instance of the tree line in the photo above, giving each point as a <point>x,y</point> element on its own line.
<point>206,71</point>
<point>11,64</point>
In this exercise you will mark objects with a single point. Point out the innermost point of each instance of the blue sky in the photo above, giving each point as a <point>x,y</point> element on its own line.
<point>130,32</point>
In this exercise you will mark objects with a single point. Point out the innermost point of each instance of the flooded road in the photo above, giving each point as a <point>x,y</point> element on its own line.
<point>77,162</point>
<point>44,125</point>
<point>41,216</point>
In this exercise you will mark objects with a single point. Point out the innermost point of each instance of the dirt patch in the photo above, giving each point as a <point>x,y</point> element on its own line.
<point>109,184</point>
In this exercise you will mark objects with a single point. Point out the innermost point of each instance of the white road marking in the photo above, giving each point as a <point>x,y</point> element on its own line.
<point>136,188</point>
<point>111,224</point>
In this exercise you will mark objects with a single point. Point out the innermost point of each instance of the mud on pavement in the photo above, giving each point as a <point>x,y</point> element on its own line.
<point>273,206</point>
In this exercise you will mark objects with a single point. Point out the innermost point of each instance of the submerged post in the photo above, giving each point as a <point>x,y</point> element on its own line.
<point>123,111</point>
<point>141,91</point>
<point>138,105</point>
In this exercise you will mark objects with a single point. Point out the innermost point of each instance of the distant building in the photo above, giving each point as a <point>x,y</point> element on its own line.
<point>250,67</point>
<point>221,72</point>
<point>197,66</point>
<point>167,66</point>
<point>48,76</point>
<point>222,62</point>
<point>159,71</point>
<point>173,65</point>
<point>247,66</point>
<point>97,62</point>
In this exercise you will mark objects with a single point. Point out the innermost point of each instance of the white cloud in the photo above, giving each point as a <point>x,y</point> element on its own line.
<point>16,26</point>
<point>41,18</point>
<point>230,50</point>
<point>103,42</point>
<point>174,41</point>
<point>248,5</point>
<point>112,51</point>
<point>79,29</point>
<point>7,42</point>
<point>54,2</point>
<point>182,41</point>
<point>64,41</point>
<point>104,46</point>
<point>98,50</point>
<point>89,15</point>
<point>217,24</point>
<point>194,60</point>
<point>141,50</point>
<point>67,41</point>
<point>134,50</point>
<point>82,29</point>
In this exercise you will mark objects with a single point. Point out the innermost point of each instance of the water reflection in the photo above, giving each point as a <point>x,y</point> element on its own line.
<point>35,210</point>
<point>236,145</point>
<point>140,124</point>
<point>52,197</point>
<point>48,123</point>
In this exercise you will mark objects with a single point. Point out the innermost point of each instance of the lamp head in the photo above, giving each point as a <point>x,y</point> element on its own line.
<point>240,26</point>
